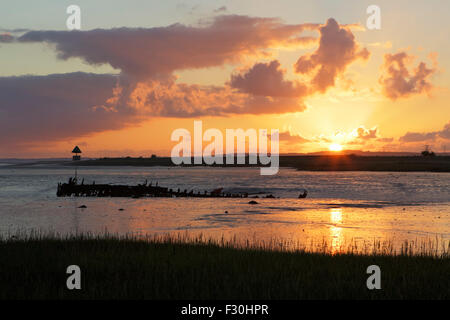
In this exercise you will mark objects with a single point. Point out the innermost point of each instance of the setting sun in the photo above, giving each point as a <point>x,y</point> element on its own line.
<point>335,147</point>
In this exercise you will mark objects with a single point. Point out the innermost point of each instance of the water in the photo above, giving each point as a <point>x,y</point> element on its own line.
<point>341,208</point>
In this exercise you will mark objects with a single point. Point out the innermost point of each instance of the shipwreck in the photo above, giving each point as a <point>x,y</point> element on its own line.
<point>75,189</point>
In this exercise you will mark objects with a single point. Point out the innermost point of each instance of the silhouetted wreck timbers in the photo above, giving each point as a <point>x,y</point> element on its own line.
<point>75,189</point>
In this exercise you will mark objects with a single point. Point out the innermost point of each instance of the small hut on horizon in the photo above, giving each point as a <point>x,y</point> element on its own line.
<point>77,151</point>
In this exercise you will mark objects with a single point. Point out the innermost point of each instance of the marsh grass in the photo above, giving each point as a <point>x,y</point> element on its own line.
<point>436,247</point>
<point>182,266</point>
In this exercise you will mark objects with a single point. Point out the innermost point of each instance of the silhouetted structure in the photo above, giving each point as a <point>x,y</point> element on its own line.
<point>427,152</point>
<point>76,150</point>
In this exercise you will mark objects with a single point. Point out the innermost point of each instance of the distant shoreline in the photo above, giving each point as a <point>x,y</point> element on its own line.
<point>306,163</point>
<point>303,163</point>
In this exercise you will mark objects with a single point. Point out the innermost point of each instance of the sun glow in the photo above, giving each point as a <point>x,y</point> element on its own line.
<point>335,147</point>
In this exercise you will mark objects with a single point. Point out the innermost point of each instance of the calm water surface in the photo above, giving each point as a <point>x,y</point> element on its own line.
<point>341,208</point>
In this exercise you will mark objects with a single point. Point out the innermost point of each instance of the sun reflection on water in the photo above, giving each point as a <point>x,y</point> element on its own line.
<point>335,229</point>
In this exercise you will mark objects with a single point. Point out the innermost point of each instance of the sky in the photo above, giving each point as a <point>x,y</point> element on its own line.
<point>138,70</point>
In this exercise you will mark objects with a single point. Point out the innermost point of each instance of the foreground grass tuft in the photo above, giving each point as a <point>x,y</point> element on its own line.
<point>166,268</point>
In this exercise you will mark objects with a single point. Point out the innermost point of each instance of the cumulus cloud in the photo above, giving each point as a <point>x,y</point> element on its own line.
<point>366,134</point>
<point>149,52</point>
<point>170,99</point>
<point>288,137</point>
<point>42,108</point>
<point>267,79</point>
<point>427,136</point>
<point>363,136</point>
<point>55,107</point>
<point>400,81</point>
<point>337,49</point>
<point>445,133</point>
<point>358,136</point>
<point>60,106</point>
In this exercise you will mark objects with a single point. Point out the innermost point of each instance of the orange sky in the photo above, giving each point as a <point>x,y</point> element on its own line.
<point>117,92</point>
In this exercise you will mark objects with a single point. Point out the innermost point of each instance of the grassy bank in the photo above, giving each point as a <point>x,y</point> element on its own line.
<point>129,268</point>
